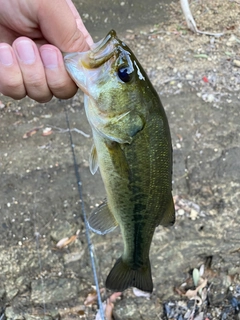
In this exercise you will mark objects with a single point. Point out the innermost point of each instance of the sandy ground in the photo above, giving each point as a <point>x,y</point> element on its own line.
<point>198,79</point>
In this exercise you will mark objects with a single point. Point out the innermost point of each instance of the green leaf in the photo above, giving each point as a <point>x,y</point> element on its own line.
<point>201,55</point>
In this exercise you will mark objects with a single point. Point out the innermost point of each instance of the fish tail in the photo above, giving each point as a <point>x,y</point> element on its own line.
<point>122,276</point>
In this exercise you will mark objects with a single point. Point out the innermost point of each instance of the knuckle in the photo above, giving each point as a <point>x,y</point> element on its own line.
<point>37,87</point>
<point>44,99</point>
<point>63,89</point>
<point>13,87</point>
<point>40,95</point>
<point>35,80</point>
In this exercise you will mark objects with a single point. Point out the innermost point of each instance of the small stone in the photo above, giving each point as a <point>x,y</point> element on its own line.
<point>236,63</point>
<point>178,145</point>
<point>2,105</point>
<point>179,85</point>
<point>193,214</point>
<point>213,212</point>
<point>210,98</point>
<point>180,212</point>
<point>231,41</point>
<point>189,76</point>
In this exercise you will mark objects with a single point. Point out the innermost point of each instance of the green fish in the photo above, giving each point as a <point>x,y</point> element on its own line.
<point>132,148</point>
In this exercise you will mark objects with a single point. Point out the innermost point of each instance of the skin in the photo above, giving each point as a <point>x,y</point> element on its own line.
<point>32,36</point>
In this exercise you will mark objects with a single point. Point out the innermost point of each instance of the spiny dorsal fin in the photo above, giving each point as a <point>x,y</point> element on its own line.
<point>101,220</point>
<point>93,160</point>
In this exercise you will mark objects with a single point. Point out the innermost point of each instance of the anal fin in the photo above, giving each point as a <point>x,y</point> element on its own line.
<point>169,215</point>
<point>102,220</point>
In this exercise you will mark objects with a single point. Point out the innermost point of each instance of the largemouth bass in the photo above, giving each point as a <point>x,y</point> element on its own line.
<point>132,147</point>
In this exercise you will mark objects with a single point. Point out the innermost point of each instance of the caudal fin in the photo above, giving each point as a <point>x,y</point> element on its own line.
<point>122,276</point>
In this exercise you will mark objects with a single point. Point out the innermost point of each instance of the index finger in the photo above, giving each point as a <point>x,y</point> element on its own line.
<point>79,21</point>
<point>59,26</point>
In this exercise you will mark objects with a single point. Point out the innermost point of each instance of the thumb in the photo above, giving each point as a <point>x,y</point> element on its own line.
<point>62,26</point>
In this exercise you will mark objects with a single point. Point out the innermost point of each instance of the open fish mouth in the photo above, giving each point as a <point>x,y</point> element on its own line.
<point>102,51</point>
<point>86,66</point>
<point>99,52</point>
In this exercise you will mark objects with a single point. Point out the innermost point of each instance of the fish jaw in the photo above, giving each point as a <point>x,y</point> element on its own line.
<point>83,67</point>
<point>73,63</point>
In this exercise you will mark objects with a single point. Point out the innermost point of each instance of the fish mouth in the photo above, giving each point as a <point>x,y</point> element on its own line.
<point>102,51</point>
<point>99,52</point>
<point>86,67</point>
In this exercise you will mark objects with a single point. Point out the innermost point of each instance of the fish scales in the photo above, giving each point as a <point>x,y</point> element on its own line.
<point>132,148</point>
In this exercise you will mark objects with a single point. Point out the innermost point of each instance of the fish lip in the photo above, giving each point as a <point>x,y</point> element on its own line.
<point>99,52</point>
<point>102,43</point>
<point>102,51</point>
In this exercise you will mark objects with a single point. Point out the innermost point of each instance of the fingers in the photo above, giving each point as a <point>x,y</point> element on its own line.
<point>40,74</point>
<point>79,22</point>
<point>11,81</point>
<point>31,66</point>
<point>61,15</point>
<point>57,77</point>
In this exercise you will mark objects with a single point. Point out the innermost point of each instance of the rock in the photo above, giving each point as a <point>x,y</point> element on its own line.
<point>11,314</point>
<point>2,292</point>
<point>180,212</point>
<point>210,98</point>
<point>62,230</point>
<point>231,41</point>
<point>55,290</point>
<point>11,292</point>
<point>236,63</point>
<point>193,214</point>
<point>189,76</point>
<point>43,317</point>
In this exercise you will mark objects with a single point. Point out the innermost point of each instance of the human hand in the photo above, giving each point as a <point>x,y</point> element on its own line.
<point>32,36</point>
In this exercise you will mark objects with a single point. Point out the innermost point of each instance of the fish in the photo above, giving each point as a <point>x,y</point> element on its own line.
<point>132,148</point>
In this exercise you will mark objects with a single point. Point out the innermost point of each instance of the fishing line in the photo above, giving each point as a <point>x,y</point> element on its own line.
<point>90,246</point>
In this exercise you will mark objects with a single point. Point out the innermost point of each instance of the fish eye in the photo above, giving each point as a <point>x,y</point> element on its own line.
<point>125,74</point>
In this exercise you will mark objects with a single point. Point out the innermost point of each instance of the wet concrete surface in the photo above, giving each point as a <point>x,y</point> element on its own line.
<point>39,202</point>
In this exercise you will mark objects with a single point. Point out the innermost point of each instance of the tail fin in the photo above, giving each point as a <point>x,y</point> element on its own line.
<point>122,276</point>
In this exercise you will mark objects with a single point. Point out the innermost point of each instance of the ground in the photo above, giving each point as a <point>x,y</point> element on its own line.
<point>198,80</point>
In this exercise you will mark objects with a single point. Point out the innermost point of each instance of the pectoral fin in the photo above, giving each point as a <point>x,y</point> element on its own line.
<point>93,160</point>
<point>101,220</point>
<point>123,128</point>
<point>168,218</point>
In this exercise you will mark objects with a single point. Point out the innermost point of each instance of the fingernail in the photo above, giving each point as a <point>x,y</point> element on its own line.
<point>49,58</point>
<point>6,57</point>
<point>25,51</point>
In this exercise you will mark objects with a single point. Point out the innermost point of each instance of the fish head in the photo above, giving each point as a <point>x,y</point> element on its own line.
<point>113,81</point>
